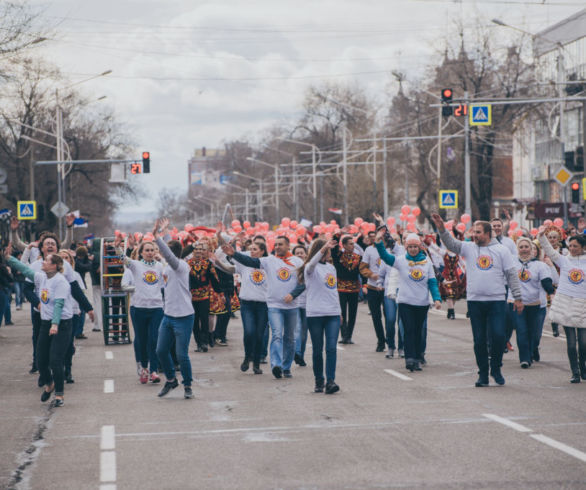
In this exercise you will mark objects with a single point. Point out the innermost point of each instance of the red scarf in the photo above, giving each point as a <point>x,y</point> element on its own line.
<point>285,258</point>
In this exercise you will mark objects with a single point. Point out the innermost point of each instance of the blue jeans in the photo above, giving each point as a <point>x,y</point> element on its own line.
<point>254,321</point>
<point>78,323</point>
<point>135,342</point>
<point>146,323</point>
<point>390,309</point>
<point>529,325</point>
<point>488,323</point>
<point>283,322</point>
<point>4,304</point>
<point>18,293</point>
<point>301,333</point>
<point>265,339</point>
<point>318,326</point>
<point>178,328</point>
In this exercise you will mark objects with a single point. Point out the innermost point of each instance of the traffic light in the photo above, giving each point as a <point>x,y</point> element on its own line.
<point>146,162</point>
<point>575,192</point>
<point>447,95</point>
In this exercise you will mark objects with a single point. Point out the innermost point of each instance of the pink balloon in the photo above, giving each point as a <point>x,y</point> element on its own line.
<point>358,221</point>
<point>317,229</point>
<point>410,226</point>
<point>534,232</point>
<point>416,211</point>
<point>449,225</point>
<point>403,217</point>
<point>519,232</point>
<point>246,225</point>
<point>559,222</point>
<point>234,223</point>
<point>513,225</point>
<point>548,222</point>
<point>293,224</point>
<point>461,227</point>
<point>300,231</point>
<point>390,221</point>
<point>411,218</point>
<point>405,209</point>
<point>465,218</point>
<point>333,222</point>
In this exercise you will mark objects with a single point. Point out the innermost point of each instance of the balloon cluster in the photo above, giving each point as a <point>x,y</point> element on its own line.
<point>410,216</point>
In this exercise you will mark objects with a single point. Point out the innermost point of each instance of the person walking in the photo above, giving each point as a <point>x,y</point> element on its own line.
<point>323,312</point>
<point>568,307</point>
<point>489,270</point>
<point>416,281</point>
<point>281,281</point>
<point>177,320</point>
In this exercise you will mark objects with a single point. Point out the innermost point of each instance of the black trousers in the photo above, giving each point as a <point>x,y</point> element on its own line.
<point>349,305</point>
<point>576,356</point>
<point>51,351</point>
<point>201,321</point>
<point>413,318</point>
<point>375,305</point>
<point>224,318</point>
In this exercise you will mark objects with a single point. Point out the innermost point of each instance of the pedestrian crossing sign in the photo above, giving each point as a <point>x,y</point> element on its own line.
<point>27,210</point>
<point>448,199</point>
<point>480,115</point>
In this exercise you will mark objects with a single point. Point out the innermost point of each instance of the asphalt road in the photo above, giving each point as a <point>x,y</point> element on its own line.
<point>386,428</point>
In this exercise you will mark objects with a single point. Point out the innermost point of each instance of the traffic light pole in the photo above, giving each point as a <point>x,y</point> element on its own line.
<point>467,206</point>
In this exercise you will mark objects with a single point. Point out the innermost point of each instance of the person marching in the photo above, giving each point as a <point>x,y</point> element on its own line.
<point>146,307</point>
<point>178,313</point>
<point>554,236</point>
<point>281,280</point>
<point>55,333</point>
<point>323,311</point>
<point>302,326</point>
<point>347,264</point>
<point>489,269</point>
<point>416,281</point>
<point>535,278</point>
<point>568,307</point>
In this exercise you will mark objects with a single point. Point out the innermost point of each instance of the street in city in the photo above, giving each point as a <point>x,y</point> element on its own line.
<point>387,427</point>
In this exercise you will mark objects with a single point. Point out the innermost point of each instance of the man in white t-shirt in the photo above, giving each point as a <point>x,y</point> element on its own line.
<point>490,268</point>
<point>497,230</point>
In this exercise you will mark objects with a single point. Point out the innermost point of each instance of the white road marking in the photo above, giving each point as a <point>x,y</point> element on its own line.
<point>507,422</point>
<point>398,375</point>
<point>560,446</point>
<point>108,386</point>
<point>108,486</point>
<point>108,439</point>
<point>107,466</point>
<point>109,355</point>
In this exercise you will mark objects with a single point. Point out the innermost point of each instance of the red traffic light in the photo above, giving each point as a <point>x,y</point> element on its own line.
<point>447,93</point>
<point>576,186</point>
<point>145,155</point>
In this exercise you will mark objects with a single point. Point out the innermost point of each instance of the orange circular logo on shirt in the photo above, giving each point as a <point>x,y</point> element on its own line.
<point>524,275</point>
<point>44,296</point>
<point>484,262</point>
<point>283,274</point>
<point>257,277</point>
<point>331,281</point>
<point>416,274</point>
<point>576,276</point>
<point>150,278</point>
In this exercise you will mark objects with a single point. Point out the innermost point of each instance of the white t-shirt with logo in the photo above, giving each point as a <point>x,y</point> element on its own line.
<point>321,285</point>
<point>530,277</point>
<point>253,283</point>
<point>413,280</point>
<point>281,279</point>
<point>148,282</point>
<point>50,290</point>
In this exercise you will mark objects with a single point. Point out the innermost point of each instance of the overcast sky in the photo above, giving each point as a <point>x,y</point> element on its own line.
<point>188,73</point>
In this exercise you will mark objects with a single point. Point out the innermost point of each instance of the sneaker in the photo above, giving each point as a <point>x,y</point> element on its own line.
<point>263,360</point>
<point>81,337</point>
<point>138,369</point>
<point>297,358</point>
<point>422,360</point>
<point>155,378</point>
<point>525,364</point>
<point>69,379</point>
<point>287,373</point>
<point>245,365</point>
<point>144,376</point>
<point>401,353</point>
<point>198,349</point>
<point>221,342</point>
<point>96,329</point>
<point>8,323</point>
<point>204,348</point>
<point>574,379</point>
<point>168,386</point>
<point>510,347</point>
<point>277,372</point>
<point>498,377</point>
<point>18,308</point>
<point>45,395</point>
<point>390,354</point>
<point>380,347</point>
<point>536,356</point>
<point>349,341</point>
<point>59,402</point>
<point>555,329</point>
<point>256,369</point>
<point>188,393</point>
<point>33,370</point>
<point>331,387</point>
<point>481,382</point>
<point>319,385</point>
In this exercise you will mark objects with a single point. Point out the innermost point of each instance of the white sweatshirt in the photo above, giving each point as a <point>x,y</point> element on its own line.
<point>148,281</point>
<point>321,287</point>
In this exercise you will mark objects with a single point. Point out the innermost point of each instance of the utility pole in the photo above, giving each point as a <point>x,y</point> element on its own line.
<point>468,205</point>
<point>561,87</point>
<point>345,173</point>
<point>385,183</point>
<point>313,169</point>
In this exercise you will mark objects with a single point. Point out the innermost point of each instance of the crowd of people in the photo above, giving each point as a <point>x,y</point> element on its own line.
<point>292,282</point>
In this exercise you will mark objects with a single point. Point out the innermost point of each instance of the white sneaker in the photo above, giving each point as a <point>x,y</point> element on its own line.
<point>390,354</point>
<point>401,353</point>
<point>18,308</point>
<point>138,368</point>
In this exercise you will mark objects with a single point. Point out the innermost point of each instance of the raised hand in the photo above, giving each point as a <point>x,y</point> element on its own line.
<point>438,221</point>
<point>228,250</point>
<point>163,225</point>
<point>14,223</point>
<point>70,219</point>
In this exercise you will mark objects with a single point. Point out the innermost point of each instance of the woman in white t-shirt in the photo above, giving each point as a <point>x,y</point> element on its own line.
<point>568,307</point>
<point>56,308</point>
<point>324,314</point>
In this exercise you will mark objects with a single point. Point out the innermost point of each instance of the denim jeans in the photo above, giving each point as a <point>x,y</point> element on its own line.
<point>135,342</point>
<point>318,327</point>
<point>390,309</point>
<point>301,333</point>
<point>529,325</point>
<point>146,330</point>
<point>282,322</point>
<point>78,323</point>
<point>254,321</point>
<point>375,302</point>
<point>178,328</point>
<point>265,339</point>
<point>18,293</point>
<point>413,318</point>
<point>51,351</point>
<point>487,319</point>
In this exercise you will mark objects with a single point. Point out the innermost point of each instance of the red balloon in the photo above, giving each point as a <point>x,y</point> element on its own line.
<point>534,232</point>
<point>238,229</point>
<point>513,225</point>
<point>333,222</point>
<point>293,224</point>
<point>403,217</point>
<point>286,222</point>
<point>465,218</point>
<point>234,223</point>
<point>410,226</point>
<point>390,221</point>
<point>353,229</point>
<point>358,221</point>
<point>300,231</point>
<point>461,227</point>
<point>559,222</point>
<point>548,222</point>
<point>411,218</point>
<point>449,225</point>
<point>405,209</point>
<point>519,232</point>
<point>246,225</point>
<point>416,211</point>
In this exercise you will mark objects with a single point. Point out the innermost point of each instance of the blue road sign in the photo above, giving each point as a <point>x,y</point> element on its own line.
<point>27,210</point>
<point>481,115</point>
<point>448,199</point>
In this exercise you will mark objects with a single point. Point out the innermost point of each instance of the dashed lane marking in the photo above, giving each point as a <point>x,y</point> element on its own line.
<point>108,386</point>
<point>109,355</point>
<point>507,422</point>
<point>108,438</point>
<point>560,446</point>
<point>107,466</point>
<point>397,374</point>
